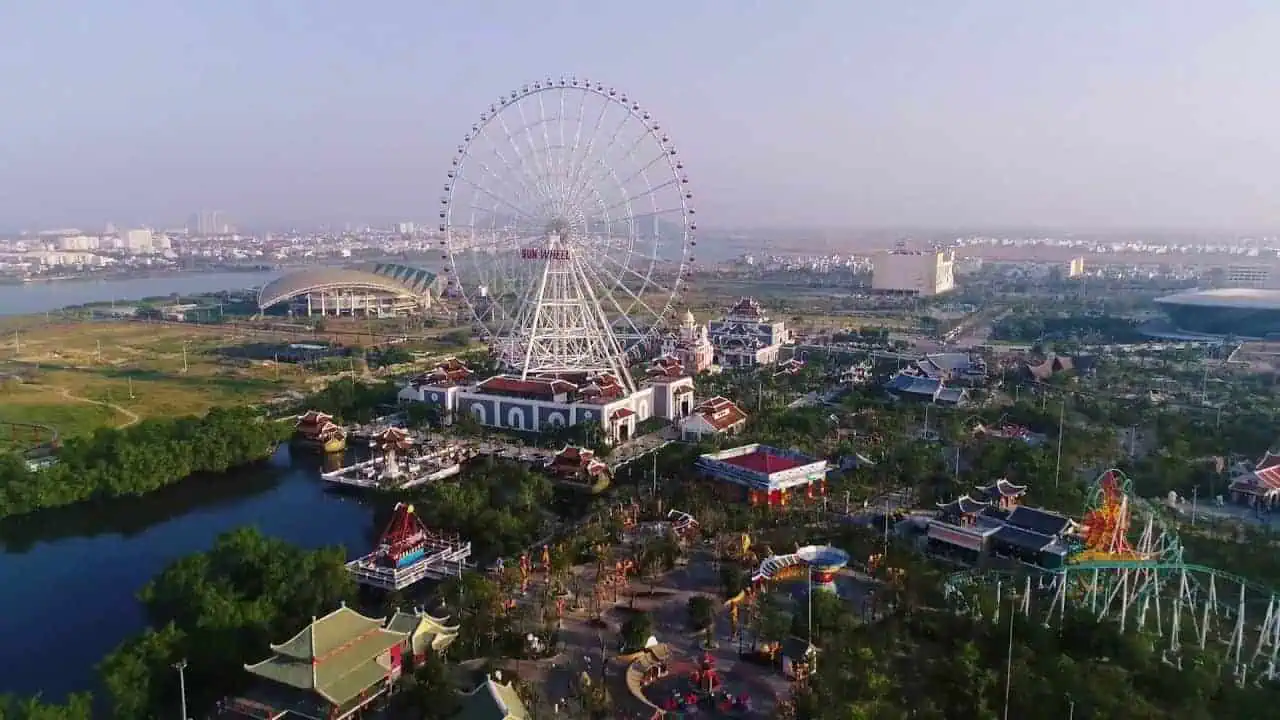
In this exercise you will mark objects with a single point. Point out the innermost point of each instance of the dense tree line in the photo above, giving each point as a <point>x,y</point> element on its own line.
<point>352,402</point>
<point>78,706</point>
<point>138,459</point>
<point>943,665</point>
<point>1079,328</point>
<point>218,610</point>
<point>499,507</point>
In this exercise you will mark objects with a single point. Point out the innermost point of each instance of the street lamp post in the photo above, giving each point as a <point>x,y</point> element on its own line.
<point>181,667</point>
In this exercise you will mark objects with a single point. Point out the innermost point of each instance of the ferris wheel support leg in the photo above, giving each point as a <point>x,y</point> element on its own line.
<point>537,315</point>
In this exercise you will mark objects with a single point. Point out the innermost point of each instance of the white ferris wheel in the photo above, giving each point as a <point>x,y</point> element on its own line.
<point>568,226</point>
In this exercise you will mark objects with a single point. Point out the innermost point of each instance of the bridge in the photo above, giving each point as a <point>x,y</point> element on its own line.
<point>1141,581</point>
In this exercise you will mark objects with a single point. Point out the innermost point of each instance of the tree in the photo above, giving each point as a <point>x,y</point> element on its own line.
<point>79,706</point>
<point>702,612</point>
<point>636,631</point>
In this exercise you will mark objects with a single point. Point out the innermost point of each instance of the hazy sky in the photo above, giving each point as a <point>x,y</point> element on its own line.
<point>1084,113</point>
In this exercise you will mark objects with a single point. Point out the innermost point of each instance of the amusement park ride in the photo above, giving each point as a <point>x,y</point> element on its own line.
<point>1142,583</point>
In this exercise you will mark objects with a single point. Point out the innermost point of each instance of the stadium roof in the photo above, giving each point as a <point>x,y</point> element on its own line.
<point>1243,298</point>
<point>389,278</point>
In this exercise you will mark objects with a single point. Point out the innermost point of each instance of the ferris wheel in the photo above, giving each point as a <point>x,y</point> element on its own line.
<point>567,224</point>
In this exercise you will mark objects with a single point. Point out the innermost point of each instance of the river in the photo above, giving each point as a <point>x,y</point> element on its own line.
<point>38,297</point>
<point>69,577</point>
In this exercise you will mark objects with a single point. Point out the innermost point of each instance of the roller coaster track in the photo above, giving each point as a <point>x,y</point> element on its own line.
<point>1184,606</point>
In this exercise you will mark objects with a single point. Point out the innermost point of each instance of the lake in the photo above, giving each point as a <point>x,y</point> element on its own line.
<point>68,577</point>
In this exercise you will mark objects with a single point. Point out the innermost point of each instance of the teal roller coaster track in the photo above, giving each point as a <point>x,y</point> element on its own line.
<point>1143,584</point>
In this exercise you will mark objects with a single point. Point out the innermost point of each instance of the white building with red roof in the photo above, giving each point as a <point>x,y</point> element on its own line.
<point>714,417</point>
<point>1260,487</point>
<point>746,337</point>
<point>536,404</point>
<point>766,475</point>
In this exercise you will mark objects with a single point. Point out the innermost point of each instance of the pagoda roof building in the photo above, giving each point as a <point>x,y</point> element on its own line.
<point>424,631</point>
<point>963,505</point>
<point>492,700</point>
<point>576,462</point>
<point>1001,488</point>
<point>1262,484</point>
<point>747,309</point>
<point>331,669</point>
<point>392,437</point>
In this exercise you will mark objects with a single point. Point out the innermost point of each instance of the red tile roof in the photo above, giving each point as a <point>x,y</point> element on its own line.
<point>537,386</point>
<point>313,417</point>
<point>720,413</point>
<point>621,413</point>
<point>763,462</point>
<point>572,459</point>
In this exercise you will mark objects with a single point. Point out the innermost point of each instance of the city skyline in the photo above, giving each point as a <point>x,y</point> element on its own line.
<point>933,115</point>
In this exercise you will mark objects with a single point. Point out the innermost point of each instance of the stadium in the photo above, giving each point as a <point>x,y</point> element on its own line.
<point>380,290</point>
<point>1239,312</point>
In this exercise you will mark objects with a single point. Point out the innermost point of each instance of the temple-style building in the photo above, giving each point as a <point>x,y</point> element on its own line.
<point>690,345</point>
<point>577,464</point>
<point>332,669</point>
<point>995,522</point>
<point>746,337</point>
<point>316,431</point>
<point>424,633</point>
<point>1261,487</point>
<point>492,700</point>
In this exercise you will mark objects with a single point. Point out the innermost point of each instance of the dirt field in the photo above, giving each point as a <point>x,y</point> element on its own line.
<point>79,376</point>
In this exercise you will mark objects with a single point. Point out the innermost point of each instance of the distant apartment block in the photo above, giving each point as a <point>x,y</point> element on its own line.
<point>1258,277</point>
<point>921,273</point>
<point>1075,268</point>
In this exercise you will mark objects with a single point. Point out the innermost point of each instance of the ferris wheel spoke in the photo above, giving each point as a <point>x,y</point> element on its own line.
<point>609,287</point>
<point>477,185</point>
<point>517,175</point>
<point>515,147</point>
<point>611,172</point>
<point>543,176</point>
<point>549,159</point>
<point>564,144</point>
<point>577,135</point>
<point>648,191</point>
<point>514,179</point>
<point>632,271</point>
<point>582,176</point>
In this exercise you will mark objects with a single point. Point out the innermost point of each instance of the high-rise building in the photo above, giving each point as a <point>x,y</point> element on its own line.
<point>1075,268</point>
<point>208,222</point>
<point>135,240</point>
<point>908,272</point>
